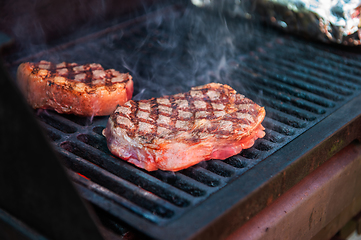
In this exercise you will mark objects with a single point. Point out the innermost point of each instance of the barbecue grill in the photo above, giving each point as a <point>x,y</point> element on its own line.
<point>311,92</point>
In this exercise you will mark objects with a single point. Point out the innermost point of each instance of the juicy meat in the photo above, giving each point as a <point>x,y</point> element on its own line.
<point>175,132</point>
<point>85,90</point>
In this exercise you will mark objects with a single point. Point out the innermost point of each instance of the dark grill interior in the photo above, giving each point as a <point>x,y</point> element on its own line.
<point>300,83</point>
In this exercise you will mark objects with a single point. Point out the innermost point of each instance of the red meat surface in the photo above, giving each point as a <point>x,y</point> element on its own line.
<point>85,90</point>
<point>175,132</point>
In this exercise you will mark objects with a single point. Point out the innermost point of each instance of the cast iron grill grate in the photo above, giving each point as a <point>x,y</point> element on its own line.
<point>294,102</point>
<point>299,84</point>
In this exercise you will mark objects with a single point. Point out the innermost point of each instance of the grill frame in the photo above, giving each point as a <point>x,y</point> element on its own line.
<point>209,218</point>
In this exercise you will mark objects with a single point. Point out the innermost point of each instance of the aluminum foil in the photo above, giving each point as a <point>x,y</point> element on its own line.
<point>336,21</point>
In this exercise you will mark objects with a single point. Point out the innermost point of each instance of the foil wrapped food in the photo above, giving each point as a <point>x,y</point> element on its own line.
<point>335,21</point>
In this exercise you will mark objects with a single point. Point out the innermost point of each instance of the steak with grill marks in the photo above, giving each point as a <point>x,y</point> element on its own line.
<point>175,132</point>
<point>86,90</point>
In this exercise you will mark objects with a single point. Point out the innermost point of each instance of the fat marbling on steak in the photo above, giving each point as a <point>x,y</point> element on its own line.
<point>175,132</point>
<point>85,90</point>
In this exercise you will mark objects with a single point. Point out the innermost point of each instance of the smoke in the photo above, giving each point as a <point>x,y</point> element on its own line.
<point>167,49</point>
<point>178,50</point>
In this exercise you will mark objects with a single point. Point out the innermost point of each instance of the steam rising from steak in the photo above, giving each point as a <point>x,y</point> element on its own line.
<point>168,50</point>
<point>85,90</point>
<point>175,132</point>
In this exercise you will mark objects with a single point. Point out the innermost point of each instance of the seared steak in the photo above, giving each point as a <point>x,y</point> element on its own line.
<point>175,132</point>
<point>86,90</point>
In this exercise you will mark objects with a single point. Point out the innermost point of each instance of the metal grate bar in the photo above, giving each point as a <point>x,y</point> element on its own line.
<point>287,88</point>
<point>307,71</point>
<point>327,53</point>
<point>124,194</point>
<point>307,59</point>
<point>333,85</point>
<point>295,82</point>
<point>285,97</point>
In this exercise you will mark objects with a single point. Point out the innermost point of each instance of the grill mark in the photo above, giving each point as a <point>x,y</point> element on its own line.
<point>214,128</point>
<point>70,83</point>
<point>223,134</point>
<point>245,111</point>
<point>254,113</point>
<point>113,118</point>
<point>189,98</point>
<point>204,93</point>
<point>142,116</point>
<point>243,101</point>
<point>88,73</point>
<point>213,116</point>
<point>236,120</point>
<point>123,127</point>
<point>154,115</point>
<point>183,118</point>
<point>108,78</point>
<point>52,68</point>
<point>174,115</point>
<point>209,107</point>
<point>133,117</point>
<point>223,93</point>
<point>146,136</point>
<point>229,108</point>
<point>152,120</point>
<point>70,71</point>
<point>35,70</point>
<point>154,110</point>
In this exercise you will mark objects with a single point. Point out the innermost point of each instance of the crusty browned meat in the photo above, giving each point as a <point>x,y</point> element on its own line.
<point>175,132</point>
<point>86,90</point>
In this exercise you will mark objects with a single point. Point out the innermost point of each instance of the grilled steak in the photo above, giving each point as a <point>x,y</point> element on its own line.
<point>175,132</point>
<point>86,90</point>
